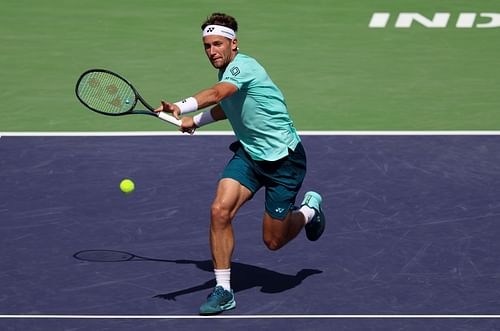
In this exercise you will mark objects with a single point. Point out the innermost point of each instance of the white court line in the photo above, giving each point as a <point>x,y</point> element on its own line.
<point>230,133</point>
<point>250,317</point>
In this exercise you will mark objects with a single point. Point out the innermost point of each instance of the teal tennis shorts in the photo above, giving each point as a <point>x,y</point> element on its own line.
<point>282,178</point>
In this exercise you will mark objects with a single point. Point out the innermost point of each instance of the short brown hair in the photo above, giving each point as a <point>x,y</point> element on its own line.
<point>221,19</point>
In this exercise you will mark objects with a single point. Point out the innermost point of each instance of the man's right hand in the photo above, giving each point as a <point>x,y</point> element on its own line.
<point>169,108</point>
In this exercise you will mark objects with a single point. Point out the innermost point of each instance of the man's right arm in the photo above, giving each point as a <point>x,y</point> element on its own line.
<point>202,99</point>
<point>215,94</point>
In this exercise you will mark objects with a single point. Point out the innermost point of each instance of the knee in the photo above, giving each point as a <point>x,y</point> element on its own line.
<point>272,243</point>
<point>220,214</point>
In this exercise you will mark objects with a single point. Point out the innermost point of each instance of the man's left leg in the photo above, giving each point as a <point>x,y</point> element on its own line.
<point>278,232</point>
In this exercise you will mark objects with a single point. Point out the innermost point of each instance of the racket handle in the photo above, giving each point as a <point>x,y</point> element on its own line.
<point>169,118</point>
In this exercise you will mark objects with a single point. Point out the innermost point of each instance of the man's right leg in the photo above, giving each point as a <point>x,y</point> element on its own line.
<point>230,196</point>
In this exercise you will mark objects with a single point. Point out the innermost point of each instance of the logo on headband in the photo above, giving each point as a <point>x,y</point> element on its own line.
<point>219,30</point>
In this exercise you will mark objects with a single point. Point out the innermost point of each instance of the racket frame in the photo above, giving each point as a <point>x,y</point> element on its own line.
<point>161,115</point>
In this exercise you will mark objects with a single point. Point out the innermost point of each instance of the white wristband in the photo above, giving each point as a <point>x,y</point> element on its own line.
<point>188,105</point>
<point>203,118</point>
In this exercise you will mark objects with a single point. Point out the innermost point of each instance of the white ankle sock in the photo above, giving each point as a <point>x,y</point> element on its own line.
<point>308,213</point>
<point>223,278</point>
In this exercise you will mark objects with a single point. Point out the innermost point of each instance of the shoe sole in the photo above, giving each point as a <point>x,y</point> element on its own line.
<point>314,235</point>
<point>228,306</point>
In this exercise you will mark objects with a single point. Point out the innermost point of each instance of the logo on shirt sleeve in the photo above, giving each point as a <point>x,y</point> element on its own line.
<point>235,71</point>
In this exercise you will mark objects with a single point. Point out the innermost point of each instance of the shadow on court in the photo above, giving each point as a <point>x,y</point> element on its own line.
<point>244,276</point>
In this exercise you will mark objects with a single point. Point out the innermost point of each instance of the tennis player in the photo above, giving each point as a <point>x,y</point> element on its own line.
<point>268,153</point>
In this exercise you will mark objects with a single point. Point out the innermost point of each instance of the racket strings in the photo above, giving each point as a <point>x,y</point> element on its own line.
<point>106,93</point>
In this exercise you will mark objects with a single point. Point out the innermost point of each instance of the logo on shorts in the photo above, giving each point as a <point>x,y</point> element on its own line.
<point>280,210</point>
<point>235,71</point>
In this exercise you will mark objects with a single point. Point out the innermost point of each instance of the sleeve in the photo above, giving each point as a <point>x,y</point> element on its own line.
<point>238,74</point>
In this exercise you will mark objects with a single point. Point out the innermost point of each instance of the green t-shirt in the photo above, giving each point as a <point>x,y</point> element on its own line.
<point>257,111</point>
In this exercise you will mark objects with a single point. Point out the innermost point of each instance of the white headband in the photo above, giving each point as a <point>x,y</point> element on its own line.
<point>219,30</point>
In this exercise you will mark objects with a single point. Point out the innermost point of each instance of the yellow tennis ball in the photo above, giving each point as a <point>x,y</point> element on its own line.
<point>127,185</point>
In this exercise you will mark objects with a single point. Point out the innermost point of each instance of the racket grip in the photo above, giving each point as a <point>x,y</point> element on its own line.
<point>169,118</point>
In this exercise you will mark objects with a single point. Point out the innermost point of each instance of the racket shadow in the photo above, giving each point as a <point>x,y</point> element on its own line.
<point>243,276</point>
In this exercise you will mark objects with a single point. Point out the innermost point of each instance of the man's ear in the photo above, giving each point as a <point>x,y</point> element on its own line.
<point>234,45</point>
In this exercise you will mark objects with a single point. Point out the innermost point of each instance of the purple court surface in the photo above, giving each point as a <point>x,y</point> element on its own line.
<point>411,243</point>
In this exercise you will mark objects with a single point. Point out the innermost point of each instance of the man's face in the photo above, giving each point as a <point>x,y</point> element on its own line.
<point>220,50</point>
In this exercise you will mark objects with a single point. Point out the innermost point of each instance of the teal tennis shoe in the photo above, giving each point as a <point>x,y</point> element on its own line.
<point>218,301</point>
<point>315,228</point>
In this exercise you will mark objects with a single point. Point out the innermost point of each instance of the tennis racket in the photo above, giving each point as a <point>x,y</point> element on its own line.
<point>108,93</point>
